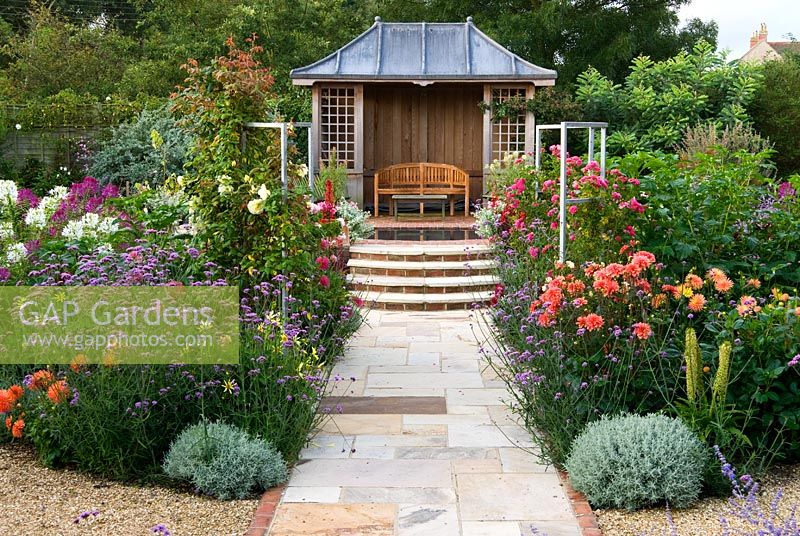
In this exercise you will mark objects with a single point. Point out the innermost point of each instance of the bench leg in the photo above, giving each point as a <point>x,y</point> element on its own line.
<point>452,206</point>
<point>466,205</point>
<point>421,208</point>
<point>443,204</point>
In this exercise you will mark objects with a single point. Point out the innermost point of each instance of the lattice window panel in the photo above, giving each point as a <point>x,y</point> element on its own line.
<point>338,124</point>
<point>508,135</point>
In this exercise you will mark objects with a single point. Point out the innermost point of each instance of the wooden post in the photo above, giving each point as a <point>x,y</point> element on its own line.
<point>487,134</point>
<point>530,120</point>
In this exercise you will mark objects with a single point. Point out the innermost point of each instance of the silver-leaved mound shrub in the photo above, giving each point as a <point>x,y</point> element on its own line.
<point>224,461</point>
<point>635,461</point>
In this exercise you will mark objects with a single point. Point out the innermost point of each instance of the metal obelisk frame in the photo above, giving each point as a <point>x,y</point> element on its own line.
<point>284,128</point>
<point>564,127</point>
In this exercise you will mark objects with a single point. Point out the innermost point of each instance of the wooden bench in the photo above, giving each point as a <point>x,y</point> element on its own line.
<point>422,179</point>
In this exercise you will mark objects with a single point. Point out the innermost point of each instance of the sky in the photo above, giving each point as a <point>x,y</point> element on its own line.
<point>738,19</point>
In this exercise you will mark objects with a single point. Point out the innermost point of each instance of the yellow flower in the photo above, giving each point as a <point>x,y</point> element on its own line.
<point>686,291</point>
<point>228,386</point>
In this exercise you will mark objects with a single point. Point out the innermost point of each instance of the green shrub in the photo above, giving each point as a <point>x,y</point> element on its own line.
<point>659,99</point>
<point>134,153</point>
<point>333,171</point>
<point>776,111</point>
<point>356,219</point>
<point>635,461</point>
<point>224,461</point>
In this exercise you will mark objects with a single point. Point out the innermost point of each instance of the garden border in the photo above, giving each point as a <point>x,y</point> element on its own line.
<point>265,513</point>
<point>587,520</point>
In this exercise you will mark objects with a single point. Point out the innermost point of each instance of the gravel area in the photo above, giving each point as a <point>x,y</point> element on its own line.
<point>702,519</point>
<point>37,501</point>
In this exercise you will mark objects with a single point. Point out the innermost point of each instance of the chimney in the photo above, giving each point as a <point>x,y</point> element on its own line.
<point>759,36</point>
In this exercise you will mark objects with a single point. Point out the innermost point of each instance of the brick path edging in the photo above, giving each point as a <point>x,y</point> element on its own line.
<point>262,519</point>
<point>580,506</point>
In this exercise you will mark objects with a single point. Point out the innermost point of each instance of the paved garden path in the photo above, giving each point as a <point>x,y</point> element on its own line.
<point>424,445</point>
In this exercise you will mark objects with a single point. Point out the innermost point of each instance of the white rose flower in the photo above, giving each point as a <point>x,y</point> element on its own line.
<point>256,206</point>
<point>16,253</point>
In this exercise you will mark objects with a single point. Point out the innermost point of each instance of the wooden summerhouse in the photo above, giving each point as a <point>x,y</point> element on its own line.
<point>410,94</point>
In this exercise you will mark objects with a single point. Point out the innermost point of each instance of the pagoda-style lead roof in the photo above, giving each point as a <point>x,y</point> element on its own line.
<point>423,52</point>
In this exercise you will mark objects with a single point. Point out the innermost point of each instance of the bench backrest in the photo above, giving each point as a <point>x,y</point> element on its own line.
<point>420,177</point>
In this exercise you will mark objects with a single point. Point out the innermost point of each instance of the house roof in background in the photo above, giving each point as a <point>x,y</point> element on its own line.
<point>782,47</point>
<point>420,51</point>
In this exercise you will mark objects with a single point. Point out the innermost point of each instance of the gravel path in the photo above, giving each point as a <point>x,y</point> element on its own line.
<point>702,519</point>
<point>38,501</point>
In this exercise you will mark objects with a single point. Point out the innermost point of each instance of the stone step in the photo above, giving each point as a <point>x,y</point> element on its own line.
<point>419,252</point>
<point>420,268</point>
<point>421,285</point>
<point>424,302</point>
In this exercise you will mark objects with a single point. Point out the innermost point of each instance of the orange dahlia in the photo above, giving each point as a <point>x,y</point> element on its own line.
<point>694,281</point>
<point>590,322</point>
<point>41,379</point>
<point>697,303</point>
<point>723,284</point>
<point>642,330</point>
<point>5,401</point>
<point>16,392</point>
<point>17,428</point>
<point>57,392</point>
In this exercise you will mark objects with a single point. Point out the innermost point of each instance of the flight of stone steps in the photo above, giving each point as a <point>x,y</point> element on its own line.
<point>422,277</point>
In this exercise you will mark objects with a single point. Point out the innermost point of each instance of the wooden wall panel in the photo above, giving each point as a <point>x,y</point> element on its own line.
<point>408,123</point>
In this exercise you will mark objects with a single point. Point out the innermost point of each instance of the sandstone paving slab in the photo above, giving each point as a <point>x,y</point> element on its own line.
<point>346,388</point>
<point>550,528</point>
<point>449,453</point>
<point>509,497</point>
<point>490,528</point>
<point>425,429</point>
<point>452,364</point>
<point>399,495</point>
<point>373,473</point>
<point>401,440</point>
<point>449,418</point>
<point>515,460</point>
<point>309,519</point>
<point>429,380</point>
<point>405,369</point>
<point>467,465</point>
<point>425,358</point>
<point>477,397</point>
<point>454,409</point>
<point>374,453</point>
<point>399,391</point>
<point>315,494</point>
<point>405,339</point>
<point>465,435</point>
<point>428,519</point>
<point>370,405</point>
<point>328,447</point>
<point>452,348</point>
<point>363,424</point>
<point>348,371</point>
<point>503,416</point>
